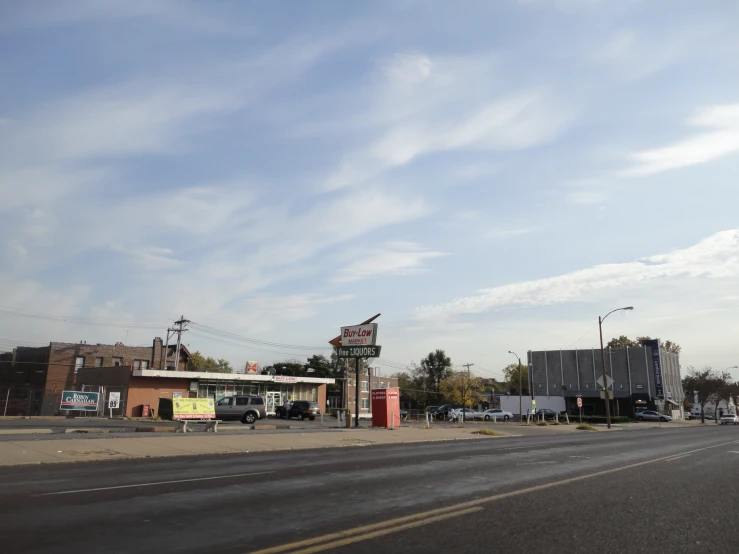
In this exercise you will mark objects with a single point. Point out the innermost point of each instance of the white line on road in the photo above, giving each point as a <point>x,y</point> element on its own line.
<point>234,476</point>
<point>677,458</point>
<point>733,451</point>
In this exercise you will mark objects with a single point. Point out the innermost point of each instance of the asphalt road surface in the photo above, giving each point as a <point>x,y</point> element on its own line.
<point>649,490</point>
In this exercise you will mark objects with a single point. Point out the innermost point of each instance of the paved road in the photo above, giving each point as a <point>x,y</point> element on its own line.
<point>642,491</point>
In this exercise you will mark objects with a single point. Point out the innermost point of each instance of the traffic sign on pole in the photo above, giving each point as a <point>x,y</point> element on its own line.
<point>579,402</point>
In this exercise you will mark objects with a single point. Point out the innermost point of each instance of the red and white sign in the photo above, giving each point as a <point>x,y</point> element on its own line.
<point>251,367</point>
<point>579,402</point>
<point>359,335</point>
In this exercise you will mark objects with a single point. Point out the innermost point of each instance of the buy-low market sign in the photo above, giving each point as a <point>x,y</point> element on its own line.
<point>359,335</point>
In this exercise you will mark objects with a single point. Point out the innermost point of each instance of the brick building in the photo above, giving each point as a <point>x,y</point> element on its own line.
<point>32,378</point>
<point>346,398</point>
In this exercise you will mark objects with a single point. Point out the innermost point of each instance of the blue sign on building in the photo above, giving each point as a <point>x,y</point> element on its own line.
<point>656,364</point>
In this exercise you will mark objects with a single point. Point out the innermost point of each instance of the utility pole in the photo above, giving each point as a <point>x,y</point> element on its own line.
<point>520,398</point>
<point>181,324</point>
<point>165,353</point>
<point>464,394</point>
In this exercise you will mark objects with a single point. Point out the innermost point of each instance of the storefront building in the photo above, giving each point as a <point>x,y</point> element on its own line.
<point>144,387</point>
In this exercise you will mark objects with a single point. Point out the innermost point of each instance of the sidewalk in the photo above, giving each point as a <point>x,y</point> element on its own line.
<point>131,445</point>
<point>55,451</point>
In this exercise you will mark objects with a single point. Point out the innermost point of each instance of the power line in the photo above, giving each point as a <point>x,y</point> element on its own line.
<point>240,338</point>
<point>101,322</point>
<point>582,337</point>
<point>232,343</point>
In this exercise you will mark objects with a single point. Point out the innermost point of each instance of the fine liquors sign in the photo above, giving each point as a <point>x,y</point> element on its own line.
<point>359,352</point>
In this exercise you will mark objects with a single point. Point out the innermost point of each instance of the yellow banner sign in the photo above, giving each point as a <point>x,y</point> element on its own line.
<point>193,408</point>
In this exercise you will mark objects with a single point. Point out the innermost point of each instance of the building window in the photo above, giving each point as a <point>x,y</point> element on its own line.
<point>79,362</point>
<point>365,386</point>
<point>144,364</point>
<point>349,382</point>
<point>365,403</point>
<point>137,364</point>
<point>117,362</point>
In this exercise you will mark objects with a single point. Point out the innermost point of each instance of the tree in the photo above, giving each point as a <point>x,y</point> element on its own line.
<point>623,342</point>
<point>462,387</point>
<point>292,367</point>
<point>510,372</point>
<point>322,366</point>
<point>724,391</point>
<point>705,383</point>
<point>437,366</point>
<point>204,364</point>
<point>222,366</point>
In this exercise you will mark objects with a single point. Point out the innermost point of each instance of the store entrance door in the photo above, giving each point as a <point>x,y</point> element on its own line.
<point>274,399</point>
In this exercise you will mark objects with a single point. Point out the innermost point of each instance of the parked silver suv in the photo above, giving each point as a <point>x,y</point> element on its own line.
<point>248,409</point>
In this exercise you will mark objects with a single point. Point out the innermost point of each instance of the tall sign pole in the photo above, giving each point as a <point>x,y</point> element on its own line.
<point>357,341</point>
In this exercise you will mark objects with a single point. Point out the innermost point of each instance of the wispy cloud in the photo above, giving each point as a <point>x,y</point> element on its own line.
<point>424,105</point>
<point>152,258</point>
<point>722,139</point>
<point>714,257</point>
<point>393,258</point>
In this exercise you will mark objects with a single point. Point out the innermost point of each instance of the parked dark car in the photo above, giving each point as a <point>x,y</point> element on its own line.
<point>443,412</point>
<point>546,413</point>
<point>248,409</point>
<point>301,409</point>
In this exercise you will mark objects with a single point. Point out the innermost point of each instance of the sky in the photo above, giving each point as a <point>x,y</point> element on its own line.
<point>489,176</point>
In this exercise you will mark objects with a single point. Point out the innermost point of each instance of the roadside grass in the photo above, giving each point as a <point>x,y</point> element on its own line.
<point>488,432</point>
<point>542,423</point>
<point>585,427</point>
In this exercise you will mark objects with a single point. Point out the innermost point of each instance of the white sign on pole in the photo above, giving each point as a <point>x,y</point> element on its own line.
<point>359,335</point>
<point>114,400</point>
<point>579,402</point>
<point>608,380</point>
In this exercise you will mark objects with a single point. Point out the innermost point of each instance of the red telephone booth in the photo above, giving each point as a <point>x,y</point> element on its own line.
<point>386,407</point>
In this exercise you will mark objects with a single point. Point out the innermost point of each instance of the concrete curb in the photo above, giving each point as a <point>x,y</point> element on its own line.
<point>26,431</point>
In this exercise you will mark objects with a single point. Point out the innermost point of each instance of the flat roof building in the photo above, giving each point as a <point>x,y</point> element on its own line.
<point>647,377</point>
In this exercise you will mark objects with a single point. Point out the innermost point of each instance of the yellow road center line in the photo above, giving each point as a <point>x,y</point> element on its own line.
<point>425,517</point>
<point>383,532</point>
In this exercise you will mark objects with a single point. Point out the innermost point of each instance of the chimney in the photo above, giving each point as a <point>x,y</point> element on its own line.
<point>156,354</point>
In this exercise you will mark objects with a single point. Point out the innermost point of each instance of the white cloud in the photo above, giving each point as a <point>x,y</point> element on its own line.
<point>285,238</point>
<point>701,148</point>
<point>424,105</point>
<point>122,121</point>
<point>714,257</point>
<point>149,257</point>
<point>588,192</point>
<point>394,258</point>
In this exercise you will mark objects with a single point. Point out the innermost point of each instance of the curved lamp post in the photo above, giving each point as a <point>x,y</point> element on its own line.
<point>603,361</point>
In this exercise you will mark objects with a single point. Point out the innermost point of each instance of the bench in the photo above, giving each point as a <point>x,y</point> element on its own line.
<point>211,425</point>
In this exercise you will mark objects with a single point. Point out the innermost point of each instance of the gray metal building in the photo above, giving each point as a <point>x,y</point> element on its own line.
<point>642,378</point>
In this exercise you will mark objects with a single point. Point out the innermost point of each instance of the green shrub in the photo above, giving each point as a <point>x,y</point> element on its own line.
<point>488,432</point>
<point>585,427</point>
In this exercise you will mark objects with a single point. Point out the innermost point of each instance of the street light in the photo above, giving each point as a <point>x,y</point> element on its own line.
<point>603,361</point>
<point>520,401</point>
